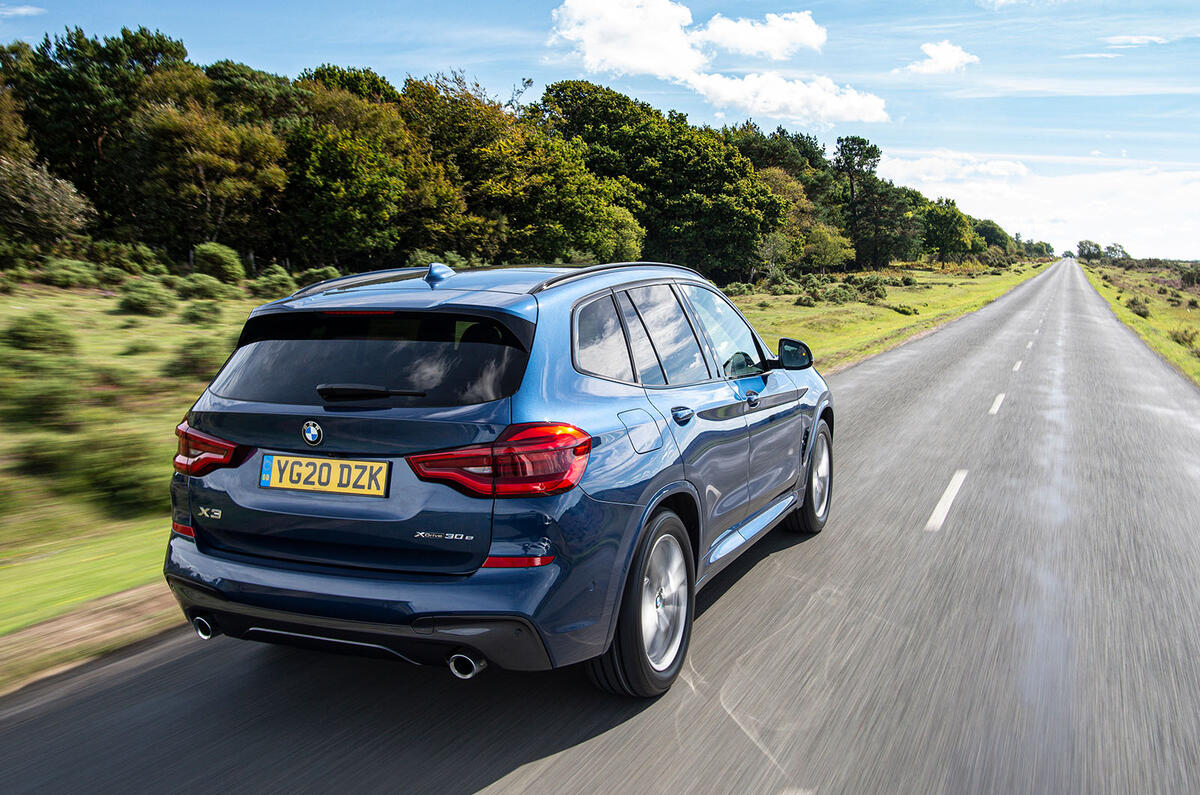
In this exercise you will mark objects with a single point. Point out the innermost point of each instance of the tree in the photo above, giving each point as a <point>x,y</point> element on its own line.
<point>78,92</point>
<point>798,215</point>
<point>855,160</point>
<point>37,206</point>
<point>1115,252</point>
<point>363,83</point>
<point>826,249</point>
<point>244,94</point>
<point>360,184</point>
<point>1088,250</point>
<point>699,199</point>
<point>14,137</point>
<point>1068,254</point>
<point>194,177</point>
<point>993,234</point>
<point>947,230</point>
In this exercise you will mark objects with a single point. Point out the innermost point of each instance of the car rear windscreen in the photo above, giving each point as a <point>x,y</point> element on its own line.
<point>439,359</point>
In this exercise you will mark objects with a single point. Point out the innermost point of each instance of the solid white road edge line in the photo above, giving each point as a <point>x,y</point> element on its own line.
<point>943,507</point>
<point>996,404</point>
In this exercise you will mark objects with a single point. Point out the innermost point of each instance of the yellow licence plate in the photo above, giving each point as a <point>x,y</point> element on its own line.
<point>333,475</point>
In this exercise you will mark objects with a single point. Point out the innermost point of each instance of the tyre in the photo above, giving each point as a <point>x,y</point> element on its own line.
<point>654,621</point>
<point>810,517</point>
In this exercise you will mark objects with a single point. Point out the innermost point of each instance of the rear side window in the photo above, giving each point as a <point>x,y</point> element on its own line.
<point>600,341</point>
<point>731,337</point>
<point>671,334</point>
<point>439,359</point>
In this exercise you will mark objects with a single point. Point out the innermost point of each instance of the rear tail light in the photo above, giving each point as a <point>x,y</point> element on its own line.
<point>525,461</point>
<point>199,453</point>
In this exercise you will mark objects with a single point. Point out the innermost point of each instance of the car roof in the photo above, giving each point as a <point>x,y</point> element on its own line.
<point>438,286</point>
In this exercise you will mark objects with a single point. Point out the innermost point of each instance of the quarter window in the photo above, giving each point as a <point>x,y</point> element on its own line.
<point>599,341</point>
<point>671,334</point>
<point>731,337</point>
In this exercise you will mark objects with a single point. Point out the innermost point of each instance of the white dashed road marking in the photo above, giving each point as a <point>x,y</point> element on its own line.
<point>1017,366</point>
<point>996,404</point>
<point>938,517</point>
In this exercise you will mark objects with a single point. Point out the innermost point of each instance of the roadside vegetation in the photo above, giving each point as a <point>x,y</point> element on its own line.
<point>1159,300</point>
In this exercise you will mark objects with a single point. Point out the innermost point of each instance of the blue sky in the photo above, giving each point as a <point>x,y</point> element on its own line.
<point>1061,119</point>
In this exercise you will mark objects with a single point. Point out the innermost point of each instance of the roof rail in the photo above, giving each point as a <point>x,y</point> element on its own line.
<point>352,279</point>
<point>579,273</point>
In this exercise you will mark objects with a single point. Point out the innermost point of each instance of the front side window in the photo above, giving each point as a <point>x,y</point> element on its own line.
<point>731,337</point>
<point>599,341</point>
<point>671,334</point>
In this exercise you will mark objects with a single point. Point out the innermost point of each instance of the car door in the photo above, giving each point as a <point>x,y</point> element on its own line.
<point>704,413</point>
<point>774,416</point>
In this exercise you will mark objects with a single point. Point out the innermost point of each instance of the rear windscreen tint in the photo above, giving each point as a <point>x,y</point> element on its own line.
<point>454,360</point>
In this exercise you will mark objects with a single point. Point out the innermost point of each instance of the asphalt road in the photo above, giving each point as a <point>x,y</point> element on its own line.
<point>1039,632</point>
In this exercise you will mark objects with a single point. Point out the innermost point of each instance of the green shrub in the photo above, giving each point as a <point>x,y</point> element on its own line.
<point>138,347</point>
<point>40,331</point>
<point>839,294</point>
<point>314,275</point>
<point>139,484</point>
<point>806,299</point>
<point>145,297</point>
<point>764,304</point>
<point>202,313</point>
<point>908,281</point>
<point>47,397</point>
<point>274,282</point>
<point>197,358</point>
<point>201,285</point>
<point>1162,290</point>
<point>170,281</point>
<point>7,285</point>
<point>47,453</point>
<point>905,309</point>
<point>220,262</point>
<point>16,254</point>
<point>1184,336</point>
<point>1193,303</point>
<point>1138,306</point>
<point>67,273</point>
<point>110,275</point>
<point>737,288</point>
<point>871,289</point>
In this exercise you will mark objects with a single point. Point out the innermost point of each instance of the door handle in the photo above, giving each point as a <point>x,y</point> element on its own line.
<point>682,414</point>
<point>752,399</point>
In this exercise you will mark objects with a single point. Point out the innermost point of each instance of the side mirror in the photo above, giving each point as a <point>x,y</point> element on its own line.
<point>794,355</point>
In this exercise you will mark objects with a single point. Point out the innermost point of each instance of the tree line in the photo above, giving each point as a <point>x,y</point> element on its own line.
<point>123,142</point>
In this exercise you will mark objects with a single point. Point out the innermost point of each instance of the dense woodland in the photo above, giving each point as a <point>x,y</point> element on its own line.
<point>119,151</point>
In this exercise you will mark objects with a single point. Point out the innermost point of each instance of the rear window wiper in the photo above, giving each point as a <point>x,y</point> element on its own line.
<point>361,392</point>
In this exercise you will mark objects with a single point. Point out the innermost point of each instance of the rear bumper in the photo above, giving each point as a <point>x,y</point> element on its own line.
<point>494,612</point>
<point>508,642</point>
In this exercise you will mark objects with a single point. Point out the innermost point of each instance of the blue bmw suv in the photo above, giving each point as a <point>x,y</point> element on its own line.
<point>530,467</point>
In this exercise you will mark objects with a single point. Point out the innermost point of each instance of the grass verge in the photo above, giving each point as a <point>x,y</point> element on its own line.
<point>841,334</point>
<point>1171,327</point>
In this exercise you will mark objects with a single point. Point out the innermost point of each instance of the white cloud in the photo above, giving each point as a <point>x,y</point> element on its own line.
<point>1149,209</point>
<point>657,38</point>
<point>20,11</point>
<point>1094,55</point>
<point>1133,41</point>
<point>776,37</point>
<point>638,37</point>
<point>818,100</point>
<point>941,58</point>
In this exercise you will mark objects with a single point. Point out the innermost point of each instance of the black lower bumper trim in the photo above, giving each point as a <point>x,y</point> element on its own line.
<point>506,641</point>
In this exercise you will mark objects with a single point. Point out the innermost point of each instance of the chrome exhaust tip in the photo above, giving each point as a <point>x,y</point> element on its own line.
<point>465,665</point>
<point>204,629</point>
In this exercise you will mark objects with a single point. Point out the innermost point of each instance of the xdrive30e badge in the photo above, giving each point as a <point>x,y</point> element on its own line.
<point>312,433</point>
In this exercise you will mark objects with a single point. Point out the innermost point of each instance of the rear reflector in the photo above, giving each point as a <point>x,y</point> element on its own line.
<point>526,460</point>
<point>183,530</point>
<point>497,562</point>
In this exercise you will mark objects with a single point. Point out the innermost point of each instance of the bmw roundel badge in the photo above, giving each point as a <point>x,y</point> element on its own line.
<point>312,433</point>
